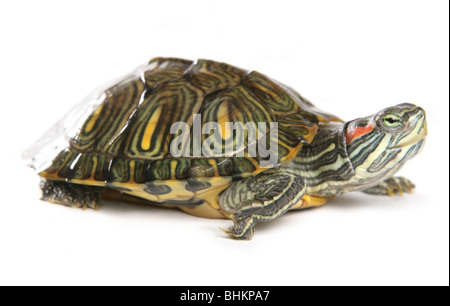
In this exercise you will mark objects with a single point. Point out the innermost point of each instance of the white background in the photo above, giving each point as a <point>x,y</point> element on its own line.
<point>351,58</point>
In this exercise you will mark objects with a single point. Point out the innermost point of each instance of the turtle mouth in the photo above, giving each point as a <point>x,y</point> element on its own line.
<point>412,139</point>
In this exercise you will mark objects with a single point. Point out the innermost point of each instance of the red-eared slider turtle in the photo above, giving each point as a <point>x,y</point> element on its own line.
<point>217,141</point>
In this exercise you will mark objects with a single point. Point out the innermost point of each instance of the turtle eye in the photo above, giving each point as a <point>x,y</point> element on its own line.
<point>392,121</point>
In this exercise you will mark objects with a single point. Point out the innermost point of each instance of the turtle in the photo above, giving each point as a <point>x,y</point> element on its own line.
<point>218,141</point>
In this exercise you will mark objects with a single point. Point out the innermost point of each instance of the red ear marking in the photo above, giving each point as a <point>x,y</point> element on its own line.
<point>355,132</point>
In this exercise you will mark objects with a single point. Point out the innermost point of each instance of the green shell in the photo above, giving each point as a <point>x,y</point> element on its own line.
<point>126,136</point>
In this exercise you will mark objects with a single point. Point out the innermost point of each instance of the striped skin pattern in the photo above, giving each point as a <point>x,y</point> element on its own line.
<point>124,144</point>
<point>391,147</point>
<point>331,165</point>
<point>261,198</point>
<point>325,163</point>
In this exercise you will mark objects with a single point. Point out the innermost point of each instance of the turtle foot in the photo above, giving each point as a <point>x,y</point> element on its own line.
<point>73,195</point>
<point>391,187</point>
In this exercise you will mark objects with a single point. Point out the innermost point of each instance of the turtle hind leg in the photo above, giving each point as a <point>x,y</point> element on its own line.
<point>69,194</point>
<point>391,186</point>
<point>260,198</point>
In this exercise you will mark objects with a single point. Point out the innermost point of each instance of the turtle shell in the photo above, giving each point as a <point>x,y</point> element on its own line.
<point>121,135</point>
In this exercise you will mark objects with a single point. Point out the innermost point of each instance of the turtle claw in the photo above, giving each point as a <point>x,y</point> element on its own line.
<point>242,229</point>
<point>390,192</point>
<point>227,231</point>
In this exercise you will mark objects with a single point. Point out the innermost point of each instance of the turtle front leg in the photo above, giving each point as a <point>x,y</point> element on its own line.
<point>69,194</point>
<point>260,198</point>
<point>391,186</point>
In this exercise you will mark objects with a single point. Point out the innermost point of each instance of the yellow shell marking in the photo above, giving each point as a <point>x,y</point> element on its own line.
<point>94,118</point>
<point>222,118</point>
<point>150,128</point>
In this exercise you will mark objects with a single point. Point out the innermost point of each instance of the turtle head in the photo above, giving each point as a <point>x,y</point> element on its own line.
<point>379,145</point>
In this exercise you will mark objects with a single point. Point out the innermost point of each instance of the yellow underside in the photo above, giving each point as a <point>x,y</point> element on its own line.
<point>209,209</point>
<point>310,201</point>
